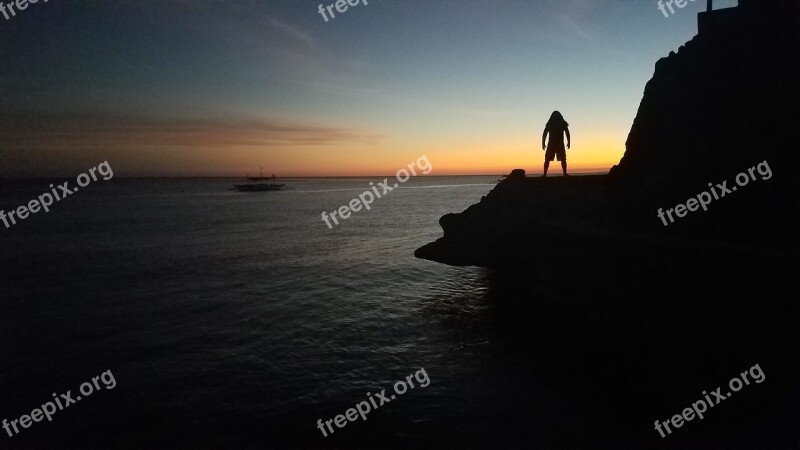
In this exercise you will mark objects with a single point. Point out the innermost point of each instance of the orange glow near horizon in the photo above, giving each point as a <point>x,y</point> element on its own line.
<point>231,149</point>
<point>592,154</point>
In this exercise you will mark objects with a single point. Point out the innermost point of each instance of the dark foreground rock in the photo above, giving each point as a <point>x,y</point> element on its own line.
<point>634,320</point>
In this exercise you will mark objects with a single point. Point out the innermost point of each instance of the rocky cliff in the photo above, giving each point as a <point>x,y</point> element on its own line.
<point>723,103</point>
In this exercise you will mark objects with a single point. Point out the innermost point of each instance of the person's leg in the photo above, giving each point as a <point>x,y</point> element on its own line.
<point>564,167</point>
<point>549,155</point>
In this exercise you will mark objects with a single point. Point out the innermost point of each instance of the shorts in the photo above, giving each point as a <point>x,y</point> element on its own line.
<point>558,153</point>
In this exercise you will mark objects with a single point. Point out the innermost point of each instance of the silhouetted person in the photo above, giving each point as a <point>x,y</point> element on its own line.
<point>556,127</point>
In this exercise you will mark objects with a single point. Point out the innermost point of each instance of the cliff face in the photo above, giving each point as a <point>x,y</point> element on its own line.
<point>725,99</point>
<point>722,104</point>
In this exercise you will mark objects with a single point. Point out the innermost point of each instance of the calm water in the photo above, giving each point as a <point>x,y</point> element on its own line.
<point>234,320</point>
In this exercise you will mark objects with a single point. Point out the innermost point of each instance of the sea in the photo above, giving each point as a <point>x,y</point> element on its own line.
<point>238,320</point>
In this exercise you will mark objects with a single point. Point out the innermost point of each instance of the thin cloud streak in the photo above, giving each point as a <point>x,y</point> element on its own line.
<point>86,131</point>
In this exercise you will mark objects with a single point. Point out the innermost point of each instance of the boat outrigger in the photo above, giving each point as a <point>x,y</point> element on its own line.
<point>259,184</point>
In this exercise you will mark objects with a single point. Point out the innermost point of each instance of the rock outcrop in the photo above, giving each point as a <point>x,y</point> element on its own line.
<point>723,103</point>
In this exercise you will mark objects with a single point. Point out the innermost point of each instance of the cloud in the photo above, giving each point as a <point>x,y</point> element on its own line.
<point>43,131</point>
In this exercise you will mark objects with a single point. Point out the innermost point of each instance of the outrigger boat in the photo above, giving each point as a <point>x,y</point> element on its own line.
<point>259,184</point>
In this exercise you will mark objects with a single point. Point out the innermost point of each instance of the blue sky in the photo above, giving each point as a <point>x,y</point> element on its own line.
<point>205,87</point>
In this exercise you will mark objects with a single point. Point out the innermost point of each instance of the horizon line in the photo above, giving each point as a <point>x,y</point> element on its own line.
<point>51,177</point>
<point>590,172</point>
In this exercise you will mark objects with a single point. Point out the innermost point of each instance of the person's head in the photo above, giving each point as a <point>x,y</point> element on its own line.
<point>557,119</point>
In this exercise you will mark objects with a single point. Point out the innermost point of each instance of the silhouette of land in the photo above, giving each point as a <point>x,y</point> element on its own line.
<point>726,101</point>
<point>638,318</point>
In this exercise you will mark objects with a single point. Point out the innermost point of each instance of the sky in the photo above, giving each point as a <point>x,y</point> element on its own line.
<point>223,87</point>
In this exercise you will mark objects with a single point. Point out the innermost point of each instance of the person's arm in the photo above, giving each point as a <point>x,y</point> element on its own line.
<point>568,138</point>
<point>544,138</point>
